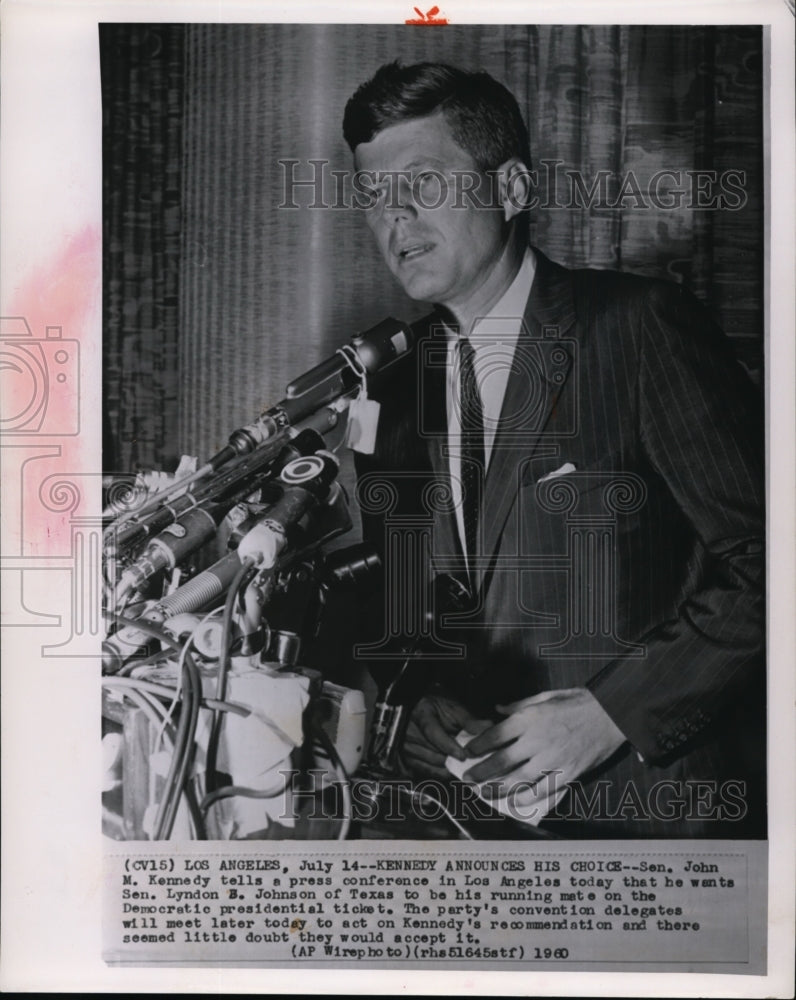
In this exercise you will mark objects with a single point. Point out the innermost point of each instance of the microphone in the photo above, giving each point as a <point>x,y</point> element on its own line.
<point>208,586</point>
<point>188,530</point>
<point>367,353</point>
<point>305,481</point>
<point>375,349</point>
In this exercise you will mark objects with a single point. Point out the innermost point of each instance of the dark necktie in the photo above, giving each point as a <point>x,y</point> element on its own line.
<point>472,425</point>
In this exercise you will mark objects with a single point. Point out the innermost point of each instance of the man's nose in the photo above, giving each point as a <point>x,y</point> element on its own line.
<point>400,201</point>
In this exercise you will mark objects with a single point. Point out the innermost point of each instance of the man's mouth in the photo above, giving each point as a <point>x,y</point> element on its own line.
<point>413,250</point>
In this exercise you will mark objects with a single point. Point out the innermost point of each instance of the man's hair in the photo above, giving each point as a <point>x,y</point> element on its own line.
<point>481,113</point>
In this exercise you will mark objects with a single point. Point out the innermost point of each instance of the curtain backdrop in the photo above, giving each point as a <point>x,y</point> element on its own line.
<point>142,82</point>
<point>215,296</point>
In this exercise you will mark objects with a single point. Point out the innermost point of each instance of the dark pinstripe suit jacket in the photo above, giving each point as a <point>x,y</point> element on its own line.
<point>639,572</point>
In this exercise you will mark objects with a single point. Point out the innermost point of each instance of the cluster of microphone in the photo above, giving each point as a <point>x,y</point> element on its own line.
<point>281,455</point>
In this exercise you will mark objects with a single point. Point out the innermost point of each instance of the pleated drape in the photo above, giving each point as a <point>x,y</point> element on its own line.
<point>250,293</point>
<point>142,81</point>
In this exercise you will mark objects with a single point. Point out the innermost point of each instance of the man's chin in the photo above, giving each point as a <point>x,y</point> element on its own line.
<point>420,289</point>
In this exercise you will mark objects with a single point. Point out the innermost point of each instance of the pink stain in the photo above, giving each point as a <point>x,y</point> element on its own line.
<point>62,291</point>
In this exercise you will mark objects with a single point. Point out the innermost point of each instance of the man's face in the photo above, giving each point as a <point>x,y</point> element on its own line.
<point>439,254</point>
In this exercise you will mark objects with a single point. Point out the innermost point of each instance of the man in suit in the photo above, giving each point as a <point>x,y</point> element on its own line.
<point>605,467</point>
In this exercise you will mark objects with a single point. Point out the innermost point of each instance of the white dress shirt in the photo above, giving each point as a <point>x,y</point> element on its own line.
<point>494,339</point>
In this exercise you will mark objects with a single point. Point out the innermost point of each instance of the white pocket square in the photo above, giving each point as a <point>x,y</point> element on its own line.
<point>565,469</point>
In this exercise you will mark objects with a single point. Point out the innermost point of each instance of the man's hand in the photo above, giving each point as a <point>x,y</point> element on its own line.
<point>545,742</point>
<point>430,735</point>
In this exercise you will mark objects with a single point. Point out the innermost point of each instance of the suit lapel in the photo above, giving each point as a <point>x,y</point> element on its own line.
<point>434,425</point>
<point>539,373</point>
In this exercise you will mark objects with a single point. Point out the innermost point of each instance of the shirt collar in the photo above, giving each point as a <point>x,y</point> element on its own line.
<point>511,305</point>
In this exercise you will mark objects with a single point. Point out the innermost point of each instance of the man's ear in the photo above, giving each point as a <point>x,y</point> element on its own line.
<point>515,187</point>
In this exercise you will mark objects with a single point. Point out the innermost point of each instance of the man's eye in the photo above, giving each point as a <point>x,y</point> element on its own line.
<point>429,188</point>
